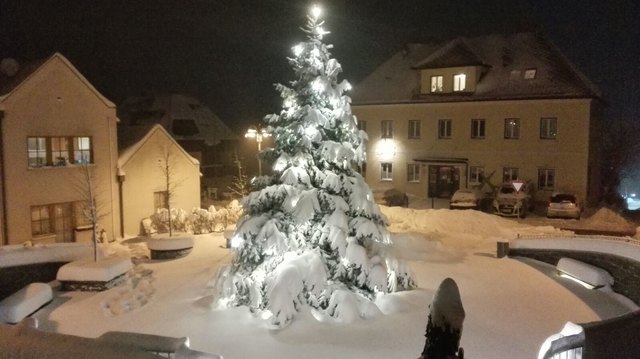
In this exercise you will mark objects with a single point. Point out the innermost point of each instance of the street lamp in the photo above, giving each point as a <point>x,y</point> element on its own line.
<point>258,134</point>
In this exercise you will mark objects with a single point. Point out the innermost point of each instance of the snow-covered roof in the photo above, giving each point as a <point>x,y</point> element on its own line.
<point>504,59</point>
<point>182,116</point>
<point>132,138</point>
<point>9,84</point>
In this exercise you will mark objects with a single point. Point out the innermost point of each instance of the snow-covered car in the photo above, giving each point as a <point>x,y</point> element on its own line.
<point>564,205</point>
<point>466,198</point>
<point>511,202</point>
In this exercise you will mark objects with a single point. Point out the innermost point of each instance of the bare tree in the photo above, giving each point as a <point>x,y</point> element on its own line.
<point>241,185</point>
<point>92,209</point>
<point>167,166</point>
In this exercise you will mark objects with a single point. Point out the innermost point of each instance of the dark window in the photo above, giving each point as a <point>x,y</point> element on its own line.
<point>184,128</point>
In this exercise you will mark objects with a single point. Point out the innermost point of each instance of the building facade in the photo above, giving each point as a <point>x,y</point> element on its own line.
<point>477,112</point>
<point>145,154</point>
<point>55,128</point>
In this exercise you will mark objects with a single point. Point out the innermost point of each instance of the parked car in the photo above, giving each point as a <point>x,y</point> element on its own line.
<point>511,202</point>
<point>466,198</point>
<point>564,205</point>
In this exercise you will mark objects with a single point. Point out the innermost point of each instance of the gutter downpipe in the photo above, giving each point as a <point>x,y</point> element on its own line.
<point>5,230</point>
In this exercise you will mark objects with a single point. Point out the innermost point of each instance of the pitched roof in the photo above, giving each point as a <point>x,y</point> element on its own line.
<point>10,84</point>
<point>132,138</point>
<point>453,54</point>
<point>184,117</point>
<point>504,59</point>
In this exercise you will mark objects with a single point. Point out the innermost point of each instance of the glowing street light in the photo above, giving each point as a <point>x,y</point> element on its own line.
<point>258,134</point>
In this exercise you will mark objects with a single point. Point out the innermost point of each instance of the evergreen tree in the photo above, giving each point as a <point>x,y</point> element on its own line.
<point>312,234</point>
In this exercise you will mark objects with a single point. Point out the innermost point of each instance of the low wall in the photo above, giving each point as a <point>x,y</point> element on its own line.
<point>21,265</point>
<point>619,257</point>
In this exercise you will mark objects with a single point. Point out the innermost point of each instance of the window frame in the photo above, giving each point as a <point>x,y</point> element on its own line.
<point>362,125</point>
<point>413,130</point>
<point>512,130</point>
<point>444,128</point>
<point>476,174</point>
<point>508,174</point>
<point>459,82</point>
<point>545,176</point>
<point>59,151</point>
<point>530,73</point>
<point>413,172</point>
<point>437,83</point>
<point>478,128</point>
<point>547,131</point>
<point>386,129</point>
<point>162,198</point>
<point>386,171</point>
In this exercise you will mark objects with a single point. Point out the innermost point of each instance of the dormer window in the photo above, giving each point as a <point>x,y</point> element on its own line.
<point>459,82</point>
<point>530,74</point>
<point>436,83</point>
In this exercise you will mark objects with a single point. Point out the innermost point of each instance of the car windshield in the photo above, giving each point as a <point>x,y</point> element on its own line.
<point>559,198</point>
<point>507,189</point>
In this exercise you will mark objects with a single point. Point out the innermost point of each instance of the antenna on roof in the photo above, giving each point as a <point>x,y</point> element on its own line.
<point>9,67</point>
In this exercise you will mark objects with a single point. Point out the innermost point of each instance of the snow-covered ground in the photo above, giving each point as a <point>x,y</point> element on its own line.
<point>511,305</point>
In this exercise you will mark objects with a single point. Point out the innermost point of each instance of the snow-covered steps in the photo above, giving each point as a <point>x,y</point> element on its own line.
<point>90,275</point>
<point>24,302</point>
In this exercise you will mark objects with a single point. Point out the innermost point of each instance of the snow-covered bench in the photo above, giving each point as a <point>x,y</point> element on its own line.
<point>170,247</point>
<point>24,302</point>
<point>90,275</point>
<point>587,274</point>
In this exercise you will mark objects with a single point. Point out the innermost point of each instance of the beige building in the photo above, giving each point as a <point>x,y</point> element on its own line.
<point>144,152</point>
<point>458,114</point>
<point>53,125</point>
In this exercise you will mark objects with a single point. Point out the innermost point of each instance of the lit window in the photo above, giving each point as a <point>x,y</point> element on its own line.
<point>37,151</point>
<point>444,128</point>
<point>386,129</point>
<point>477,128</point>
<point>413,172</point>
<point>459,82</point>
<point>59,151</point>
<point>40,222</point>
<point>414,129</point>
<point>509,174</point>
<point>82,150</point>
<point>476,174</point>
<point>386,171</point>
<point>530,74</point>
<point>546,178</point>
<point>548,128</point>
<point>436,83</point>
<point>512,128</point>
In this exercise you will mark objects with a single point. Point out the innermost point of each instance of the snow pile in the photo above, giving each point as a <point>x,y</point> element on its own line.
<point>87,269</point>
<point>607,219</point>
<point>592,275</point>
<point>135,293</point>
<point>24,302</point>
<point>471,229</point>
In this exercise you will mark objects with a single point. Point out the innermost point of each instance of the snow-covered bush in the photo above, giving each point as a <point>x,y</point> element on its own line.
<point>198,221</point>
<point>311,234</point>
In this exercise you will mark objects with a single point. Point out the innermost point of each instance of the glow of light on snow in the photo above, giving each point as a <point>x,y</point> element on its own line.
<point>582,283</point>
<point>316,11</point>
<point>297,50</point>
<point>236,242</point>
<point>311,131</point>
<point>317,86</point>
<point>266,315</point>
<point>289,102</point>
<point>347,86</point>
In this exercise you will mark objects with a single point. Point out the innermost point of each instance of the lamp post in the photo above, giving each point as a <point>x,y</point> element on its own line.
<point>258,134</point>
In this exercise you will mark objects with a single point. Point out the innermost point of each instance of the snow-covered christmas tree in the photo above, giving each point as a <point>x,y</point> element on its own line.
<point>312,236</point>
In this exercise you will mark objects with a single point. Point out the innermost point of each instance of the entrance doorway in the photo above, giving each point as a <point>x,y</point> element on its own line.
<point>443,181</point>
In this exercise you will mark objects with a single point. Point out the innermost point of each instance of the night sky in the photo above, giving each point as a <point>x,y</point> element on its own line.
<point>229,53</point>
